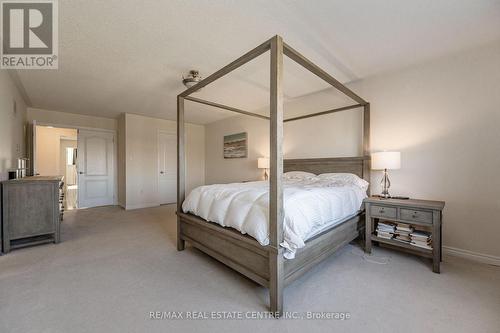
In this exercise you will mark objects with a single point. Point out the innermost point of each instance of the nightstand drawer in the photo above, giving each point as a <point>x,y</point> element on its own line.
<point>381,211</point>
<point>416,215</point>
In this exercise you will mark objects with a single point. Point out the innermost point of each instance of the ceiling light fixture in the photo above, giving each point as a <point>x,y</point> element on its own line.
<point>192,78</point>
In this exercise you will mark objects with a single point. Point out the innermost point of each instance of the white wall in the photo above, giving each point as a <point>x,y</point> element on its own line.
<point>12,124</point>
<point>220,170</point>
<point>65,119</point>
<point>341,136</point>
<point>141,155</point>
<point>442,115</point>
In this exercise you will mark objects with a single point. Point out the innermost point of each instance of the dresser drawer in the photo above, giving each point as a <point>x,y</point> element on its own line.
<point>416,215</point>
<point>382,211</point>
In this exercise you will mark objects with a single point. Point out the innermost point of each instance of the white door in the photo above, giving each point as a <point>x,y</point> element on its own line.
<point>167,167</point>
<point>95,168</point>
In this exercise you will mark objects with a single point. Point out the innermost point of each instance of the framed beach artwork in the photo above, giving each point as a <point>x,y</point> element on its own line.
<point>236,145</point>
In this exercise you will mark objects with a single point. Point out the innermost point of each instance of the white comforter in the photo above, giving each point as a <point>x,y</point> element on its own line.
<point>310,206</point>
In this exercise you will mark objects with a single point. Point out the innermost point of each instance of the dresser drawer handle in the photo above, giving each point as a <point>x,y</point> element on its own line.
<point>414,216</point>
<point>381,211</point>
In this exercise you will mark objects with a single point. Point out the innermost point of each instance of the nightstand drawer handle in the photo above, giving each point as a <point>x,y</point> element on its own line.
<point>381,211</point>
<point>414,215</point>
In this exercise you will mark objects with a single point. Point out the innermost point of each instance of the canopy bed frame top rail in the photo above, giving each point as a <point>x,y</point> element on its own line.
<point>266,264</point>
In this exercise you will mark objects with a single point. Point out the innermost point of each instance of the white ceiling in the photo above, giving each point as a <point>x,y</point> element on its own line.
<point>128,56</point>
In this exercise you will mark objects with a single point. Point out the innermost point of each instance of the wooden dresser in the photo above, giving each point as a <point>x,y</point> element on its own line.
<point>31,211</point>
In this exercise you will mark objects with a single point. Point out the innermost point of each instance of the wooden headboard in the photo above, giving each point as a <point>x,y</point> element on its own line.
<point>357,165</point>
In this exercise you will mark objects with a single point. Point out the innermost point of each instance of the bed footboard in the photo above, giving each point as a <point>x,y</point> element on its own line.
<point>246,256</point>
<point>240,252</point>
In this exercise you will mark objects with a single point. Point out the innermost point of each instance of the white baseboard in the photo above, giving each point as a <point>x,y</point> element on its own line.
<point>474,256</point>
<point>142,205</point>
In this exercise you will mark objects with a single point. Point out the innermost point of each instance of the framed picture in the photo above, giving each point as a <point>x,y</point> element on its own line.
<point>235,145</point>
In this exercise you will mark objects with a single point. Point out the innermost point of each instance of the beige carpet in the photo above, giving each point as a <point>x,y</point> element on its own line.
<point>114,267</point>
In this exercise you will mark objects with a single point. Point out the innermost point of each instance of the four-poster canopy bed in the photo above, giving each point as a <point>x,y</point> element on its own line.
<point>266,265</point>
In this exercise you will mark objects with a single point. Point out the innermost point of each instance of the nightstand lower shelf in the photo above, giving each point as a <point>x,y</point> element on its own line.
<point>423,252</point>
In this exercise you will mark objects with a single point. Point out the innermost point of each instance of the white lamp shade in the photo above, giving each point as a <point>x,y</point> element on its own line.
<point>263,163</point>
<point>390,160</point>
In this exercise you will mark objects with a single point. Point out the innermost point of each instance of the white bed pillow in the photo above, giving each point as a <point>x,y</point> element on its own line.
<point>298,175</point>
<point>342,179</point>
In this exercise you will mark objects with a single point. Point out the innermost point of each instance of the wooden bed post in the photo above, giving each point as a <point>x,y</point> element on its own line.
<point>276,260</point>
<point>366,129</point>
<point>366,144</point>
<point>181,169</point>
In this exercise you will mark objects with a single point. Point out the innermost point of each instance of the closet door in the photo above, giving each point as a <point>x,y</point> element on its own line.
<point>167,167</point>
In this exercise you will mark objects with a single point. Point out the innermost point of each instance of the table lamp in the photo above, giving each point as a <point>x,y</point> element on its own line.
<point>386,160</point>
<point>263,163</point>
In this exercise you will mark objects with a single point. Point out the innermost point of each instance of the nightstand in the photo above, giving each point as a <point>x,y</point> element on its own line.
<point>419,213</point>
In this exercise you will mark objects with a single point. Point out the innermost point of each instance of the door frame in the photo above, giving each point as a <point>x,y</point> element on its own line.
<point>115,152</point>
<point>158,132</point>
<point>31,146</point>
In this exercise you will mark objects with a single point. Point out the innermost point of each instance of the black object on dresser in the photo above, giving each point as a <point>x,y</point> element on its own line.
<point>419,213</point>
<point>31,211</point>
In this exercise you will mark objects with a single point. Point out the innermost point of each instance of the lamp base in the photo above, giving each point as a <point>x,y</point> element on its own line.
<point>386,183</point>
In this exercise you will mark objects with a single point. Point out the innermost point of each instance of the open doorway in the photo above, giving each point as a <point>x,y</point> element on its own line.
<point>68,160</point>
<point>51,156</point>
<point>84,157</point>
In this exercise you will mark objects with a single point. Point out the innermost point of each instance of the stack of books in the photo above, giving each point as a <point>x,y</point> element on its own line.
<point>403,232</point>
<point>385,229</point>
<point>421,239</point>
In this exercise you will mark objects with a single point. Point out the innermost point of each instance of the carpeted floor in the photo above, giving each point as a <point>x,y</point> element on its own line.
<point>114,267</point>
